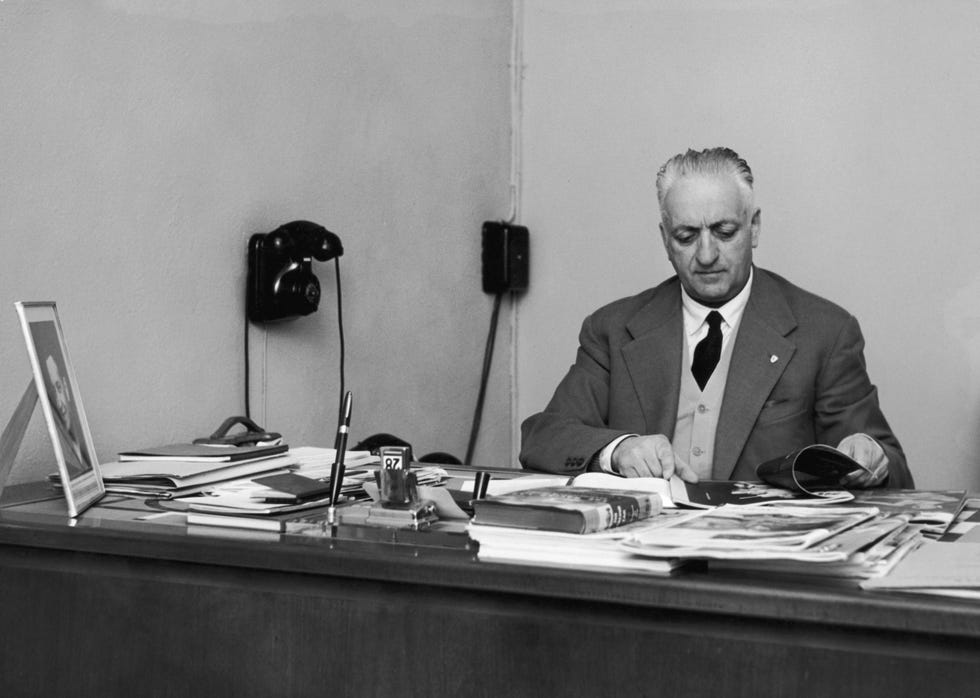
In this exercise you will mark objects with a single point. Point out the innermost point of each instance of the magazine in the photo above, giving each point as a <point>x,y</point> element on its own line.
<point>809,469</point>
<point>751,531</point>
<point>870,549</point>
<point>935,510</point>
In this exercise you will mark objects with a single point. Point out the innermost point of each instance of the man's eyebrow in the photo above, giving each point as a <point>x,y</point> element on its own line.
<point>710,226</point>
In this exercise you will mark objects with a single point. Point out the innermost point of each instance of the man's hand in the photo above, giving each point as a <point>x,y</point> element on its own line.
<point>868,453</point>
<point>649,456</point>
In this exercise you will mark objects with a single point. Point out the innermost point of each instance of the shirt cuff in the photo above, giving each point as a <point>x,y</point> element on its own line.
<point>605,455</point>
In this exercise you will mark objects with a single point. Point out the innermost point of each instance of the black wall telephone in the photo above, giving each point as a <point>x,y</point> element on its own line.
<point>281,283</point>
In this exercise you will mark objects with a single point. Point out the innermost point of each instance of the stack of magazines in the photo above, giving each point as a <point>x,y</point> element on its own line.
<point>843,542</point>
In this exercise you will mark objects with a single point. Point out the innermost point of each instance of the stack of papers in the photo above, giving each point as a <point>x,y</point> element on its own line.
<point>252,498</point>
<point>316,462</point>
<point>935,567</point>
<point>203,453</point>
<point>869,550</point>
<point>175,478</point>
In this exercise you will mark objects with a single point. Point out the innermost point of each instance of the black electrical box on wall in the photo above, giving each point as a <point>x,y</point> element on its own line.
<point>505,257</point>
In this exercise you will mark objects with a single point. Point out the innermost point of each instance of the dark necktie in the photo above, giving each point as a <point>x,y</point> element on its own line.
<point>708,351</point>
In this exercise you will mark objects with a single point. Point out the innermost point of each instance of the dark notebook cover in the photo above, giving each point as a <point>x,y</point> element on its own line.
<point>293,487</point>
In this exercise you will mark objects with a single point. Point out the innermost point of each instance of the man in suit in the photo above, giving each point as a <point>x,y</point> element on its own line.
<point>718,369</point>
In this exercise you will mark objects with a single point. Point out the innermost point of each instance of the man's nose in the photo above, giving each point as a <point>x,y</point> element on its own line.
<point>707,252</point>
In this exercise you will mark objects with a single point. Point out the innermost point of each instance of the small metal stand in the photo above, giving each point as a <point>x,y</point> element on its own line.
<point>10,441</point>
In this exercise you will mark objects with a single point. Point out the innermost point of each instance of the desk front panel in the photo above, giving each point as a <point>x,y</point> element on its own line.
<point>136,610</point>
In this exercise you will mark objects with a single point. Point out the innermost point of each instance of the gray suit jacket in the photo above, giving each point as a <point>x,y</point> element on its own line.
<point>797,377</point>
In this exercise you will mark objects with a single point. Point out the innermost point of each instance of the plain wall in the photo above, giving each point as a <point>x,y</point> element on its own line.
<point>858,118</point>
<point>143,142</point>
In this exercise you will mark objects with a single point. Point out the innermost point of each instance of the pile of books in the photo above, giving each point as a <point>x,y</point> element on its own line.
<point>568,526</point>
<point>598,551</point>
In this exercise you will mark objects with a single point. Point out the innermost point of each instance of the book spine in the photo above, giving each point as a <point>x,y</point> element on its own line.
<point>621,511</point>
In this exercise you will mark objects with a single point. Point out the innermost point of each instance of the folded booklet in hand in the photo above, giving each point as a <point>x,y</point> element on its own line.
<point>809,469</point>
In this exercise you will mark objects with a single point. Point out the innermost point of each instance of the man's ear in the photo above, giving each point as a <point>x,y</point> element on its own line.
<point>755,226</point>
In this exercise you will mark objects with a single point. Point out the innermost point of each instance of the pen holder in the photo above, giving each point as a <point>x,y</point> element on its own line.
<point>398,488</point>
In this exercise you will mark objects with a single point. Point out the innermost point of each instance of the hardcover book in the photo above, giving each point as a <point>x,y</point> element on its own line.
<point>567,509</point>
<point>597,551</point>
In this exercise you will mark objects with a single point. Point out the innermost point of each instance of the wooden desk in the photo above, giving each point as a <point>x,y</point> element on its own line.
<point>114,607</point>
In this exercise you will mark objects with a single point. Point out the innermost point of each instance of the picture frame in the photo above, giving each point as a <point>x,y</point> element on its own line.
<point>61,402</point>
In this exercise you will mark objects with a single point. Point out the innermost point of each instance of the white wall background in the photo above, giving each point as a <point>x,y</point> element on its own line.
<point>859,119</point>
<point>143,142</point>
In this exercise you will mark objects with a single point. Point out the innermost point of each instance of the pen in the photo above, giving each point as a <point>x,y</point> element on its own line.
<point>337,471</point>
<point>480,484</point>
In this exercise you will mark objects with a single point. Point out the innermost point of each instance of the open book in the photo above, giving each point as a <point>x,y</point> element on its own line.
<point>708,494</point>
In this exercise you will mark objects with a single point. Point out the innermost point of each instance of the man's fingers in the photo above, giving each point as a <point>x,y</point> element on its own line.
<point>646,468</point>
<point>855,478</point>
<point>665,454</point>
<point>684,471</point>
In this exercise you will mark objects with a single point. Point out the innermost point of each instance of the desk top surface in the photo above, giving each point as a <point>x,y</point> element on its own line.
<point>444,557</point>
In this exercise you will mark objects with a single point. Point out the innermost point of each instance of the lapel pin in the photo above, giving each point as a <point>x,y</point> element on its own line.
<point>773,359</point>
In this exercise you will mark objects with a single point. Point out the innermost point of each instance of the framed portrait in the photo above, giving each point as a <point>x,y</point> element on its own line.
<point>61,401</point>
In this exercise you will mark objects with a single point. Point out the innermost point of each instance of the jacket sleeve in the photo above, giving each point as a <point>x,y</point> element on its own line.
<point>847,403</point>
<point>572,429</point>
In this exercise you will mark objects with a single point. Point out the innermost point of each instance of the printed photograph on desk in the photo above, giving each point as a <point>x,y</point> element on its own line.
<point>935,509</point>
<point>718,492</point>
<point>61,402</point>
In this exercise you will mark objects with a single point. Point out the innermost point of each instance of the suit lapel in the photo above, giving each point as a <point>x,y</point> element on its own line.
<point>653,358</point>
<point>759,357</point>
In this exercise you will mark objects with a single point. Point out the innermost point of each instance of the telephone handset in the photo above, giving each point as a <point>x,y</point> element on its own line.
<point>281,282</point>
<point>254,435</point>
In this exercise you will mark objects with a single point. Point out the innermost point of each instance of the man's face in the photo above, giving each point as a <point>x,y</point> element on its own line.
<point>709,233</point>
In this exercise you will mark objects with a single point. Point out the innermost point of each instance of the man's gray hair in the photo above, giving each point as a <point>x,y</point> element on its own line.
<point>710,161</point>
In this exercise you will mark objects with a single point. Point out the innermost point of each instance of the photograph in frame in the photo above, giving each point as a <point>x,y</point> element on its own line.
<point>61,403</point>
